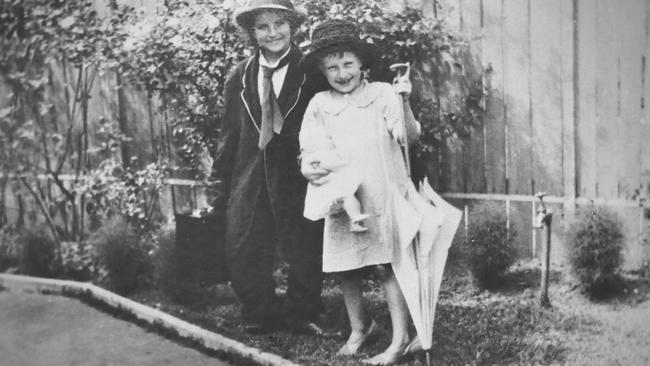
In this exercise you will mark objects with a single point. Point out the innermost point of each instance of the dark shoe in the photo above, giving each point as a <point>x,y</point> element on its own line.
<point>310,327</point>
<point>260,327</point>
<point>255,328</point>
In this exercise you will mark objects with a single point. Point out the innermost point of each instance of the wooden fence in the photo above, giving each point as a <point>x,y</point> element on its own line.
<point>566,111</point>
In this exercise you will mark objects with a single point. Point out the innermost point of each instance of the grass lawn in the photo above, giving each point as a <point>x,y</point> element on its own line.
<point>502,327</point>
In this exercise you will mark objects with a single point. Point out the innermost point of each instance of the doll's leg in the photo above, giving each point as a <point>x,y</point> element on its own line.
<point>360,329</point>
<point>352,207</point>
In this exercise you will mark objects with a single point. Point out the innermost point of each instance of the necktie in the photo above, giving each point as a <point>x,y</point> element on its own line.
<point>272,119</point>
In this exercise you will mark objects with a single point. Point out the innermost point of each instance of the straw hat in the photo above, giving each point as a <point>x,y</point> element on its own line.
<point>336,35</point>
<point>244,16</point>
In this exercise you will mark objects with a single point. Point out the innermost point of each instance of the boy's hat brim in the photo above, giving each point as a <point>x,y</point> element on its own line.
<point>243,15</point>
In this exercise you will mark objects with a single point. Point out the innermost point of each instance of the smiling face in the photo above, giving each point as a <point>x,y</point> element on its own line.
<point>272,33</point>
<point>342,70</point>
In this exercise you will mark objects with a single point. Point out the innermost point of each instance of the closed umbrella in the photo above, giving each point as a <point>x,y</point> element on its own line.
<point>419,263</point>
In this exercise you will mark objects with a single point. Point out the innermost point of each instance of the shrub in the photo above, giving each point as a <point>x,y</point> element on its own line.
<point>8,250</point>
<point>77,261</point>
<point>489,248</point>
<point>37,252</point>
<point>595,244</point>
<point>171,270</point>
<point>124,262</point>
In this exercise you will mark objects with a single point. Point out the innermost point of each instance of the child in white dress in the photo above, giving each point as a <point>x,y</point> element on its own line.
<point>364,121</point>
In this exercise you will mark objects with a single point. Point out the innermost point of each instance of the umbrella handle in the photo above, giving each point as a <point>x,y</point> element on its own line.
<point>403,69</point>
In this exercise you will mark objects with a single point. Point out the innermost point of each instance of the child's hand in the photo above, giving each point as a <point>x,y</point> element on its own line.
<point>311,170</point>
<point>398,133</point>
<point>401,82</point>
<point>402,85</point>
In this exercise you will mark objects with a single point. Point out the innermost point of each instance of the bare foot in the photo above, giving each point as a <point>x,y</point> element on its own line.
<point>356,340</point>
<point>392,355</point>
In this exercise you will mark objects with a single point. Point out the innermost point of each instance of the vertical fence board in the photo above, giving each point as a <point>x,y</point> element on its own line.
<point>645,117</point>
<point>517,95</point>
<point>473,146</point>
<point>450,89</point>
<point>644,133</point>
<point>631,42</point>
<point>586,98</point>
<point>607,126</point>
<point>521,223</point>
<point>567,13</point>
<point>546,72</point>
<point>494,124</point>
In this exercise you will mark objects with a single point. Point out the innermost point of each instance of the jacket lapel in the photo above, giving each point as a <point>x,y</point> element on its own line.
<point>249,94</point>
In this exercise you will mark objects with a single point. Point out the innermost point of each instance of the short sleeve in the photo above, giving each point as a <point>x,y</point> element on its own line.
<point>392,110</point>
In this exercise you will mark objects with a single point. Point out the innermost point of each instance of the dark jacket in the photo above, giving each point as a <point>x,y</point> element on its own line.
<point>244,170</point>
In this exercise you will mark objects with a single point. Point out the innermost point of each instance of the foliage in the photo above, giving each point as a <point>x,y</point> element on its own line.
<point>171,270</point>
<point>38,253</point>
<point>595,245</point>
<point>8,250</point>
<point>77,262</point>
<point>490,247</point>
<point>123,259</point>
<point>117,191</point>
<point>184,55</point>
<point>39,136</point>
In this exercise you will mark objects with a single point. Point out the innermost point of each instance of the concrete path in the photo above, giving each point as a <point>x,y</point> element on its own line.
<point>46,330</point>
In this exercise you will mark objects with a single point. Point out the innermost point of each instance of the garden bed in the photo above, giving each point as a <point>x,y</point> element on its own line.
<point>502,327</point>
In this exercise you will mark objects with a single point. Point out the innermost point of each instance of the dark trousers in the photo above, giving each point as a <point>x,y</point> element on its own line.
<point>252,266</point>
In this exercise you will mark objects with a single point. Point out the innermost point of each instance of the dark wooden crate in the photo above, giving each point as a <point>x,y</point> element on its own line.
<point>200,243</point>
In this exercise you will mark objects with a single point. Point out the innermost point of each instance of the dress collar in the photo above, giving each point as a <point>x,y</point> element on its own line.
<point>361,97</point>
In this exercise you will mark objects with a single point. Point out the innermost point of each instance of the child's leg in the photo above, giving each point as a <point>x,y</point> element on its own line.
<point>399,317</point>
<point>353,298</point>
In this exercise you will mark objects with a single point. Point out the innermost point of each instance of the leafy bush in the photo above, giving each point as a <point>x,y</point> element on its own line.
<point>490,248</point>
<point>77,262</point>
<point>595,244</point>
<point>8,250</point>
<point>38,252</point>
<point>171,272</point>
<point>124,261</point>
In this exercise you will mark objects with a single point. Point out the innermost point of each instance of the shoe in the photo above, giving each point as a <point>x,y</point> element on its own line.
<point>359,218</point>
<point>349,349</point>
<point>309,327</point>
<point>254,328</point>
<point>356,227</point>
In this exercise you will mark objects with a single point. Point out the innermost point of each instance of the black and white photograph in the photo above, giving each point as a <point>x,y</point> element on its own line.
<point>324,182</point>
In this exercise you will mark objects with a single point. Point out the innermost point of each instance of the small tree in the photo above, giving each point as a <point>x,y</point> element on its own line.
<point>595,243</point>
<point>489,245</point>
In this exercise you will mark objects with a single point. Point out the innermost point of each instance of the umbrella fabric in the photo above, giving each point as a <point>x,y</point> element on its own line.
<point>419,264</point>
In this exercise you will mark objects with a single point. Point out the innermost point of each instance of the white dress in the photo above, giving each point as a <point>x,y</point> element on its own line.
<point>359,125</point>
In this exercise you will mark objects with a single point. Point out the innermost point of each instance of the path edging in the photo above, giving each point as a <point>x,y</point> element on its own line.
<point>154,317</point>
